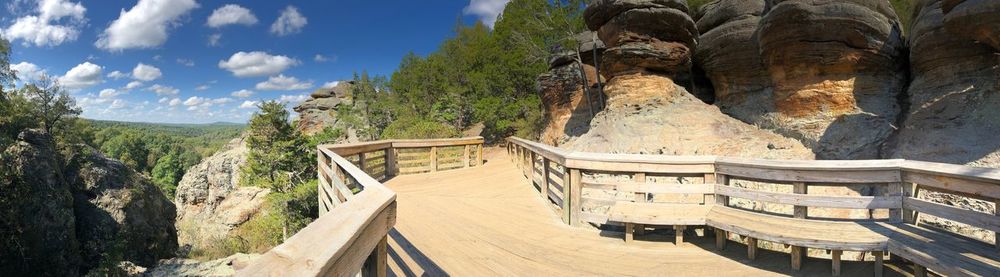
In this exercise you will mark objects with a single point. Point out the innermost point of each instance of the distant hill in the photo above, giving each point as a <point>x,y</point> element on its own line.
<point>186,130</point>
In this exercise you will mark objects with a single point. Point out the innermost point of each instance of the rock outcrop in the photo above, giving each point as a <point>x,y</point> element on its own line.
<point>120,211</point>
<point>729,56</point>
<point>64,217</point>
<point>319,111</point>
<point>38,227</point>
<point>567,108</point>
<point>837,68</point>
<point>210,202</point>
<point>185,267</point>
<point>953,97</point>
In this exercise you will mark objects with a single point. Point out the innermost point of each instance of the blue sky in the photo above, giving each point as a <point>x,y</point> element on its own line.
<point>197,61</point>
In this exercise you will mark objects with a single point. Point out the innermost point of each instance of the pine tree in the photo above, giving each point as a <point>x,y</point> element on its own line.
<point>278,158</point>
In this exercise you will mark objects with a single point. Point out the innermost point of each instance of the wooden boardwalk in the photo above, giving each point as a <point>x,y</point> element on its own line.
<point>487,221</point>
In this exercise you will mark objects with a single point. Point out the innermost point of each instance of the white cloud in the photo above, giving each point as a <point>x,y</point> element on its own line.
<point>486,10</point>
<point>163,100</point>
<point>185,62</point>
<point>220,101</point>
<point>145,25</point>
<point>293,99</point>
<point>290,22</point>
<point>331,84</point>
<point>117,104</point>
<point>144,72</point>
<point>163,90</point>
<point>27,71</point>
<point>202,87</point>
<point>111,93</point>
<point>194,101</point>
<point>282,82</point>
<point>231,14</point>
<point>117,75</point>
<point>320,58</point>
<point>243,93</point>
<point>214,39</point>
<point>82,76</point>
<point>252,64</point>
<point>249,105</point>
<point>175,102</point>
<point>47,27</point>
<point>133,85</point>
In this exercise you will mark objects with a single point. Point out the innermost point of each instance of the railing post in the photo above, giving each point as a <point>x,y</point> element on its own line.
<point>545,179</point>
<point>640,197</point>
<point>390,162</point>
<point>909,191</point>
<point>465,156</point>
<point>575,186</point>
<point>567,196</point>
<point>721,236</point>
<point>531,167</point>
<point>362,163</point>
<point>320,190</point>
<point>896,191</point>
<point>434,159</point>
<point>377,261</point>
<point>479,154</point>
<point>799,212</point>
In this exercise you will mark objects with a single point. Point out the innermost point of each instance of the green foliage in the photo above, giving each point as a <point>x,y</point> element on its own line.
<point>904,9</point>
<point>371,109</point>
<point>413,128</point>
<point>278,156</point>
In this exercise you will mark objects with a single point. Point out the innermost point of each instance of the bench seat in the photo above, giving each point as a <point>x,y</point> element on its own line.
<point>810,233</point>
<point>658,213</point>
<point>942,252</point>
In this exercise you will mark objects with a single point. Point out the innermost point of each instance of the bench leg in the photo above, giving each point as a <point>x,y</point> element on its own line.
<point>919,270</point>
<point>720,239</point>
<point>679,234</point>
<point>751,248</point>
<point>797,253</point>
<point>629,229</point>
<point>640,229</point>
<point>879,262</point>
<point>836,262</point>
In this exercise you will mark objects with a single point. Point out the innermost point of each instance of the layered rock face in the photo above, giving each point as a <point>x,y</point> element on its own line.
<point>836,68</point>
<point>319,111</point>
<point>65,216</point>
<point>953,115</point>
<point>210,202</point>
<point>567,107</point>
<point>728,54</point>
<point>643,36</point>
<point>119,211</point>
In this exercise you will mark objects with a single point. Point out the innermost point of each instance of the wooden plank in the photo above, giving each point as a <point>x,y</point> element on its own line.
<point>412,170</point>
<point>479,154</point>
<point>658,214</point>
<point>751,248</point>
<point>545,176</point>
<point>349,149</point>
<point>835,262</point>
<point>575,192</point>
<point>434,157</point>
<point>895,192</point>
<point>369,240</point>
<point>568,198</point>
<point>981,220</point>
<point>636,187</point>
<point>910,190</point>
<point>610,166</point>
<point>797,253</point>
<point>465,157</point>
<point>812,176</point>
<point>963,186</point>
<point>822,201</point>
<point>596,202</point>
<point>423,143</point>
<point>800,211</point>
<point>722,200</point>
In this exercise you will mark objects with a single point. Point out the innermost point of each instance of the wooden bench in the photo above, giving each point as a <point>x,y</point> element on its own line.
<point>686,206</point>
<point>941,251</point>
<point>679,216</point>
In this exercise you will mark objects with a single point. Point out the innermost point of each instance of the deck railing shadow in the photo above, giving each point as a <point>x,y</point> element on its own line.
<point>426,264</point>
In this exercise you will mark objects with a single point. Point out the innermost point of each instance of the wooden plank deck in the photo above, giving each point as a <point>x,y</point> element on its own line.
<point>488,221</point>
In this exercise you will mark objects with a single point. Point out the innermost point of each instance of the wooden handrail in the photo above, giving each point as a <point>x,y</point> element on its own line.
<point>356,211</point>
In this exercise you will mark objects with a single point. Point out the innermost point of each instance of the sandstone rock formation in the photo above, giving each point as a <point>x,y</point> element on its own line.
<point>120,211</point>
<point>64,217</point>
<point>953,97</point>
<point>567,108</point>
<point>210,202</point>
<point>185,267</point>
<point>973,19</point>
<point>319,111</point>
<point>836,68</point>
<point>729,56</point>
<point>38,228</point>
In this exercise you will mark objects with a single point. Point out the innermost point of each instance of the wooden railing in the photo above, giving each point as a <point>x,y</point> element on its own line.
<point>889,188</point>
<point>356,210</point>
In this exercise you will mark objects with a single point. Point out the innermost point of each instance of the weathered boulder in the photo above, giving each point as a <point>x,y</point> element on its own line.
<point>185,267</point>
<point>668,58</point>
<point>567,108</point>
<point>642,25</point>
<point>649,114</point>
<point>728,54</point>
<point>974,19</point>
<point>37,227</point>
<point>837,68</point>
<point>319,111</point>
<point>119,211</point>
<point>591,47</point>
<point>600,12</point>
<point>953,103</point>
<point>210,202</point>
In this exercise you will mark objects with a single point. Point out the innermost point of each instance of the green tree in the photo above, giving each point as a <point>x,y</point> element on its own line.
<point>50,104</point>
<point>168,172</point>
<point>130,149</point>
<point>277,157</point>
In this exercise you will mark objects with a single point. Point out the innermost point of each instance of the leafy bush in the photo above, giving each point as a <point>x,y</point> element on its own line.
<point>411,128</point>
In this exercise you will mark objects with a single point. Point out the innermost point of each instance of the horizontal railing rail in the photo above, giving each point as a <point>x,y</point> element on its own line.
<point>356,209</point>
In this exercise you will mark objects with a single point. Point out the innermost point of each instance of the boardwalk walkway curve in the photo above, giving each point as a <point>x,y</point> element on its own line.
<point>484,219</point>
